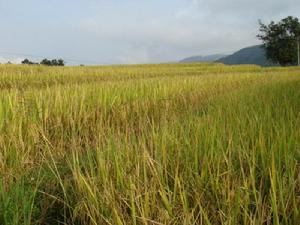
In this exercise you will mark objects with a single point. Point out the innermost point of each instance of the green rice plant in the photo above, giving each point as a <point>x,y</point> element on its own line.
<point>149,144</point>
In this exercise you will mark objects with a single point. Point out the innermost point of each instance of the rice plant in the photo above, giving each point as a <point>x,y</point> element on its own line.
<point>149,144</point>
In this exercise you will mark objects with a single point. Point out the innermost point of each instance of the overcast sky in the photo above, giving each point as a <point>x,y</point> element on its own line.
<point>132,31</point>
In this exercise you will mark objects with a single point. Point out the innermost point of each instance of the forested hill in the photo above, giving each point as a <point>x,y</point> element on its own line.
<point>250,55</point>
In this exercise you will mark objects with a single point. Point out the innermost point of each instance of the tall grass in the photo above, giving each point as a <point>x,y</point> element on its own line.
<point>149,144</point>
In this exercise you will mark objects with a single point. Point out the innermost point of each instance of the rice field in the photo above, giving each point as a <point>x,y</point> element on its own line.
<point>149,144</point>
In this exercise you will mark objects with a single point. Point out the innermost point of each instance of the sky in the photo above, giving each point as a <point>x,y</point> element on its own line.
<point>132,31</point>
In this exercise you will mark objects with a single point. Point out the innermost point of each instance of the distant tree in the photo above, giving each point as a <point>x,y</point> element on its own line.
<point>53,62</point>
<point>25,61</point>
<point>28,62</point>
<point>46,62</point>
<point>9,63</point>
<point>280,40</point>
<point>61,62</point>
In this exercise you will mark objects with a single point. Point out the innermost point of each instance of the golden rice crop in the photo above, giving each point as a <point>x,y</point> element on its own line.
<point>149,144</point>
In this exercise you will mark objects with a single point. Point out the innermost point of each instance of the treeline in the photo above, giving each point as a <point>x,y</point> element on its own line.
<point>45,62</point>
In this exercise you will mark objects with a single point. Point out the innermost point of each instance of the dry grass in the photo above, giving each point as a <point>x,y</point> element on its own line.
<point>150,144</point>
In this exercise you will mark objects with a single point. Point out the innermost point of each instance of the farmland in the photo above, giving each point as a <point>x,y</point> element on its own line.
<point>149,144</point>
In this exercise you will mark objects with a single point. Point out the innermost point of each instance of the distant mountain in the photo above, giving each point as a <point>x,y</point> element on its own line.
<point>251,55</point>
<point>200,58</point>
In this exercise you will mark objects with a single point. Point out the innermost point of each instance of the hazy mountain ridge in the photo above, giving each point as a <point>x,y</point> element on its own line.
<point>201,58</point>
<point>249,55</point>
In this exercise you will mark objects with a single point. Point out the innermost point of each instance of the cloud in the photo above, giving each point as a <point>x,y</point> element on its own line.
<point>167,40</point>
<point>135,31</point>
<point>246,10</point>
<point>14,60</point>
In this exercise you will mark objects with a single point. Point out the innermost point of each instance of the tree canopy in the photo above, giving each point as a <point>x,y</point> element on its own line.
<point>45,62</point>
<point>28,62</point>
<point>280,40</point>
<point>53,62</point>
